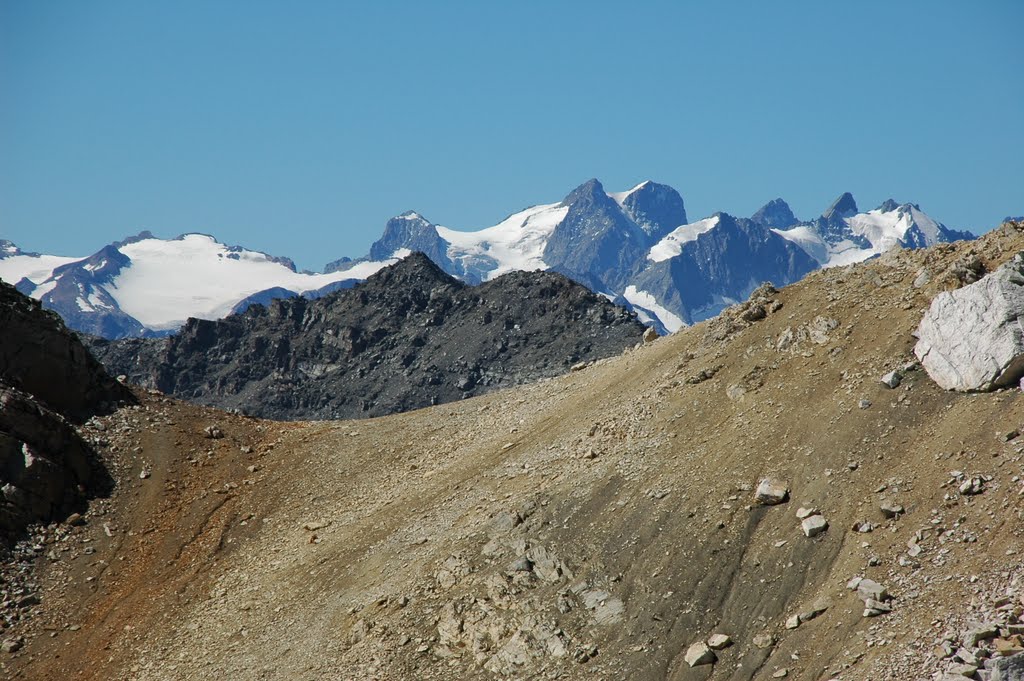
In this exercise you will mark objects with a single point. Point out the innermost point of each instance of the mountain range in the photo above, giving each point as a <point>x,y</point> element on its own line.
<point>636,247</point>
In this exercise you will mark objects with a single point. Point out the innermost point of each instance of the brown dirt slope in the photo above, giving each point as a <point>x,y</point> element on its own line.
<point>590,526</point>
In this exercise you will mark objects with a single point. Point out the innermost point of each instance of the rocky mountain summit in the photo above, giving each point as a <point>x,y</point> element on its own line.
<point>408,337</point>
<point>48,383</point>
<point>780,492</point>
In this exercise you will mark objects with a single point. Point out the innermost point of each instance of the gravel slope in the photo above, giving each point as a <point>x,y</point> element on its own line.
<point>593,525</point>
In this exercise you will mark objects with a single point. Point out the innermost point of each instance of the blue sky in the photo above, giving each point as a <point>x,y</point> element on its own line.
<point>299,128</point>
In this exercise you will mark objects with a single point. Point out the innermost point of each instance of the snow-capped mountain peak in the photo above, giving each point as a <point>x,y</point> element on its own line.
<point>656,208</point>
<point>620,197</point>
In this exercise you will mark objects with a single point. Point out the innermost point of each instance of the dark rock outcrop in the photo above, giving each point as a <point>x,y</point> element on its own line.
<point>46,470</point>
<point>48,381</point>
<point>41,357</point>
<point>408,337</point>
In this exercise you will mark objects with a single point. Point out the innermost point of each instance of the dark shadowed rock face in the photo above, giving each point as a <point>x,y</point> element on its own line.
<point>48,380</point>
<point>41,357</point>
<point>656,208</point>
<point>46,470</point>
<point>409,337</point>
<point>596,243</point>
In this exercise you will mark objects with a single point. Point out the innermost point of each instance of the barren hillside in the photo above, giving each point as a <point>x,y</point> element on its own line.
<point>590,526</point>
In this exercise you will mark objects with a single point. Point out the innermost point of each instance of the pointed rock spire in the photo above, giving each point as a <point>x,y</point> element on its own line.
<point>776,213</point>
<point>843,207</point>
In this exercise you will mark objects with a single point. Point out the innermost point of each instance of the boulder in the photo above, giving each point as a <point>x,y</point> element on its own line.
<point>771,492</point>
<point>1007,668</point>
<point>892,379</point>
<point>873,608</point>
<point>982,631</point>
<point>699,654</point>
<point>814,525</point>
<point>870,589</point>
<point>971,339</point>
<point>891,510</point>
<point>719,641</point>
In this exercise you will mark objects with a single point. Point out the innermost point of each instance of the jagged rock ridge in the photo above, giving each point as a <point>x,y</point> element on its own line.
<point>408,337</point>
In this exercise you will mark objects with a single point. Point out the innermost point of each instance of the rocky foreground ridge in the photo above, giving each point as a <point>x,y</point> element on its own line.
<point>48,382</point>
<point>781,492</point>
<point>409,337</point>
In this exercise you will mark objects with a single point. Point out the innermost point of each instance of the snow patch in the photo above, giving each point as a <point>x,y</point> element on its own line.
<point>43,289</point>
<point>643,299</point>
<point>809,240</point>
<point>620,197</point>
<point>36,268</point>
<point>672,244</point>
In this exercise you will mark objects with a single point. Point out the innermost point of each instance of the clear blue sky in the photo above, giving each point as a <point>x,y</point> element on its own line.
<point>299,128</point>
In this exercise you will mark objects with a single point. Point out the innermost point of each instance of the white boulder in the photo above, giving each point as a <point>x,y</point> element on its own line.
<point>972,338</point>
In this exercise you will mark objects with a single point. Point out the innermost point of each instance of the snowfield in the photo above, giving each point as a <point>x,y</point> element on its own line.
<point>195,276</point>
<point>515,243</point>
<point>36,268</point>
<point>169,281</point>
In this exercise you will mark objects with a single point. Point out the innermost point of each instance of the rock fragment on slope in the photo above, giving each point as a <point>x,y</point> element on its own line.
<point>700,654</point>
<point>814,525</point>
<point>771,492</point>
<point>972,338</point>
